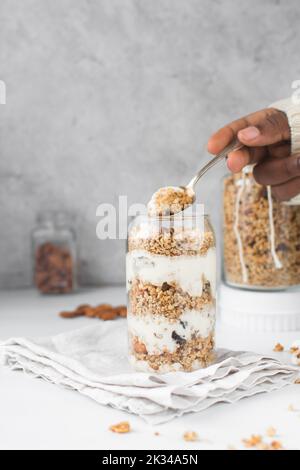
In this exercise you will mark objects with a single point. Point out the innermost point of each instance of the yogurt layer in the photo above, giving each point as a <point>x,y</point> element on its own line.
<point>189,272</point>
<point>159,334</point>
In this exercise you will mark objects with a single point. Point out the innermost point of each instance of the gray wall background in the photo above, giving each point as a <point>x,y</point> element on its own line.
<point>109,97</point>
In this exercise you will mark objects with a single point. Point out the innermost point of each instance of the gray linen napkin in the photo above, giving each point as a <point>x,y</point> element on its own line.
<point>93,361</point>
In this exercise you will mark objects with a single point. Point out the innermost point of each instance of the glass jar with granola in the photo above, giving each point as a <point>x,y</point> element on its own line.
<point>54,253</point>
<point>171,284</point>
<point>261,243</point>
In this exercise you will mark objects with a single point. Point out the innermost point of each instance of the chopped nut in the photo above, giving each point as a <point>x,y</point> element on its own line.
<point>70,314</point>
<point>253,441</point>
<point>107,314</point>
<point>257,442</point>
<point>120,428</point>
<point>297,381</point>
<point>139,347</point>
<point>82,308</point>
<point>262,446</point>
<point>271,432</point>
<point>102,311</point>
<point>295,347</point>
<point>103,307</point>
<point>190,436</point>
<point>276,445</point>
<point>90,312</point>
<point>291,408</point>
<point>121,311</point>
<point>278,347</point>
<point>295,351</point>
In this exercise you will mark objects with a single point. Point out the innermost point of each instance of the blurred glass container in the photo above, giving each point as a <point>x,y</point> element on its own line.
<point>261,236</point>
<point>54,253</point>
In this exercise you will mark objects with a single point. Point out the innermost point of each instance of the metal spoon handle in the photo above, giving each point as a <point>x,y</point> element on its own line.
<point>234,145</point>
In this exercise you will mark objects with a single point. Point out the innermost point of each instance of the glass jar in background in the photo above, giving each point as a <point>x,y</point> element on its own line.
<point>54,253</point>
<point>261,237</point>
<point>171,284</point>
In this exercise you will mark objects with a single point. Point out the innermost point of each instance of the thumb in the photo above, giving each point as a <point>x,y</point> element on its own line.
<point>272,127</point>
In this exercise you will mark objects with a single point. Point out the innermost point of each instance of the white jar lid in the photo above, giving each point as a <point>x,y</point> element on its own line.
<point>259,310</point>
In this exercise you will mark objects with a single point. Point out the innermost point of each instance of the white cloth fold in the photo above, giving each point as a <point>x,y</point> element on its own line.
<point>93,361</point>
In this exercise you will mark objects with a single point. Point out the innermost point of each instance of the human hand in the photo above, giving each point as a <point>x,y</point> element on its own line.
<point>266,136</point>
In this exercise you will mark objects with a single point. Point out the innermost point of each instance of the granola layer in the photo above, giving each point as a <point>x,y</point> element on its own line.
<point>168,300</point>
<point>172,242</point>
<point>189,355</point>
<point>251,220</point>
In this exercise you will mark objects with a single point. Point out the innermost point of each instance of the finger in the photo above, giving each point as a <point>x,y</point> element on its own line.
<point>237,160</point>
<point>220,139</point>
<point>275,171</point>
<point>280,150</point>
<point>268,120</point>
<point>272,127</point>
<point>286,191</point>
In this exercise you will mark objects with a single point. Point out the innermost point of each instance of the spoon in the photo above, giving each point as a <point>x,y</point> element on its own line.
<point>234,145</point>
<point>173,199</point>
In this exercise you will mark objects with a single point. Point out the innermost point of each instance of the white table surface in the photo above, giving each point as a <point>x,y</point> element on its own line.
<point>35,414</point>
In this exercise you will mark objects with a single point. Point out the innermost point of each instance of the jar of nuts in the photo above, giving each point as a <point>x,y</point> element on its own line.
<point>261,236</point>
<point>54,253</point>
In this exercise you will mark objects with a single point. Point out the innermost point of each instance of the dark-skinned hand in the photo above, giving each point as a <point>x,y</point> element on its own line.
<point>266,136</point>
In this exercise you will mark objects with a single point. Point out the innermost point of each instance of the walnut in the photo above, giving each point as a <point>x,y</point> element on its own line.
<point>120,428</point>
<point>190,436</point>
<point>276,445</point>
<point>253,441</point>
<point>139,347</point>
